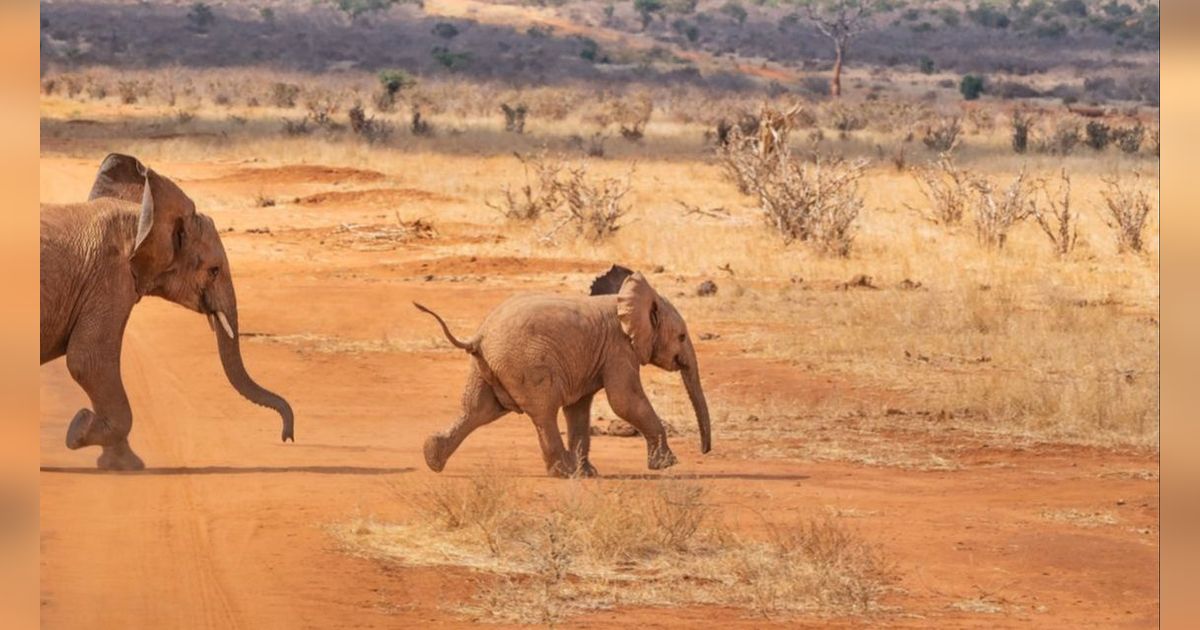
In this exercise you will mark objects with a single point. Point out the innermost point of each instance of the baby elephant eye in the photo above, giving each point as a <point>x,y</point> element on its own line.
<point>682,337</point>
<point>213,272</point>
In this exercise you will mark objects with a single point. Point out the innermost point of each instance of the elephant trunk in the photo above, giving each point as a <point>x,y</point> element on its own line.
<point>691,381</point>
<point>224,321</point>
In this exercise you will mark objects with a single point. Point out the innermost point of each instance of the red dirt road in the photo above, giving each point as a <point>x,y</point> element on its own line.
<point>227,526</point>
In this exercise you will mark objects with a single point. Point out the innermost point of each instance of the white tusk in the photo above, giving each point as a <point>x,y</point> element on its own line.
<point>225,324</point>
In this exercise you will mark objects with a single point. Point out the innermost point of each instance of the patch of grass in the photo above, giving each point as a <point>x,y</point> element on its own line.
<point>586,546</point>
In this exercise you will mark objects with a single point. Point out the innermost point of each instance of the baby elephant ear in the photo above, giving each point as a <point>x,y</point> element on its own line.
<point>121,177</point>
<point>160,232</point>
<point>637,310</point>
<point>610,282</point>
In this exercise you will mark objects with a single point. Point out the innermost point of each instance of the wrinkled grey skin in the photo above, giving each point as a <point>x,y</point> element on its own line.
<point>137,235</point>
<point>536,354</point>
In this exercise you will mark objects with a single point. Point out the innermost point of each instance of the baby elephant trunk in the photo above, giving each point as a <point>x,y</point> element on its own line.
<point>691,381</point>
<point>224,321</point>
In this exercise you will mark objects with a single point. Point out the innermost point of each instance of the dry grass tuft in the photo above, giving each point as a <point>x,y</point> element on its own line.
<point>601,545</point>
<point>1128,207</point>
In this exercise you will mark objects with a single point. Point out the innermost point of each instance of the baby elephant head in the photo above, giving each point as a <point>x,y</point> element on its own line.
<point>658,334</point>
<point>177,255</point>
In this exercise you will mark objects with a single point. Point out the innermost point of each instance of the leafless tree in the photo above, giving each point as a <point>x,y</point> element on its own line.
<point>841,21</point>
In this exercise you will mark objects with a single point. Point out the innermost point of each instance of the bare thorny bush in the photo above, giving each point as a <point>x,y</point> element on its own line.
<point>998,210</point>
<point>595,206</point>
<point>539,195</point>
<point>1128,208</point>
<point>641,543</point>
<point>813,200</point>
<point>948,189</point>
<point>1057,220</point>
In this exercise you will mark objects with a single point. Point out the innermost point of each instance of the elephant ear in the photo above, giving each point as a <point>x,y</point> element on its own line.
<point>161,226</point>
<point>121,177</point>
<point>610,282</point>
<point>637,310</point>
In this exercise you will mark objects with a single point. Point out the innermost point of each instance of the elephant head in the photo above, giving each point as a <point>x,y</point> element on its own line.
<point>177,255</point>
<point>658,334</point>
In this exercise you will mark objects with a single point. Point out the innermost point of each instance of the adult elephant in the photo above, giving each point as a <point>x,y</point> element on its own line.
<point>536,354</point>
<point>137,235</point>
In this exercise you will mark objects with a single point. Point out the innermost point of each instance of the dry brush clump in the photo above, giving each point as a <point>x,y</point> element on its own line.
<point>1128,208</point>
<point>997,210</point>
<point>1058,221</point>
<point>595,206</point>
<point>947,187</point>
<point>943,135</point>
<point>813,200</point>
<point>588,546</point>
<point>539,195</point>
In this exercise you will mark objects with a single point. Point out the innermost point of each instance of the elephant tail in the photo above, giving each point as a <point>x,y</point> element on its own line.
<point>472,347</point>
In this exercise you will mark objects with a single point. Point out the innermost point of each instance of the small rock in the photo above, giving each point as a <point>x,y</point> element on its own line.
<point>428,277</point>
<point>908,285</point>
<point>706,288</point>
<point>657,269</point>
<point>707,336</point>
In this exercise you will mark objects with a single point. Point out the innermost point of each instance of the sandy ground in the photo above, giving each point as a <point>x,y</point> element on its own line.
<point>227,528</point>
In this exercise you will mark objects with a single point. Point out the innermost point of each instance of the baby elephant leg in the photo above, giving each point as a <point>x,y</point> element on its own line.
<point>628,400</point>
<point>559,461</point>
<point>108,426</point>
<point>579,416</point>
<point>479,407</point>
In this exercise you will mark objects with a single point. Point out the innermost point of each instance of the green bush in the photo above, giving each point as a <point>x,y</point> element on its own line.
<point>926,65</point>
<point>971,86</point>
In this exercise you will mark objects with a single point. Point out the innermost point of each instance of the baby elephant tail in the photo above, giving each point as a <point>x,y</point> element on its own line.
<point>472,347</point>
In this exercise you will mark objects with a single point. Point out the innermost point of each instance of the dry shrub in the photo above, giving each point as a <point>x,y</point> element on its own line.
<point>1057,221</point>
<point>1128,208</point>
<point>1063,138</point>
<point>997,211</point>
<point>815,201</point>
<point>1129,139</point>
<point>650,542</point>
<point>514,117</point>
<point>632,116</point>
<point>284,95</point>
<point>846,119</point>
<point>369,128</point>
<point>948,189</point>
<point>539,195</point>
<point>1022,123</point>
<point>417,124</point>
<point>1098,135</point>
<point>596,207</point>
<point>943,136</point>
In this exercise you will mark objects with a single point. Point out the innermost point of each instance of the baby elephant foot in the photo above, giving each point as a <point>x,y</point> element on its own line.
<point>79,428</point>
<point>563,468</point>
<point>119,457</point>
<point>661,459</point>
<point>433,453</point>
<point>586,470</point>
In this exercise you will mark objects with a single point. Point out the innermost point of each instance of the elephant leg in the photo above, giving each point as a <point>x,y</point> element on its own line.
<point>97,368</point>
<point>559,461</point>
<point>628,400</point>
<point>579,416</point>
<point>479,407</point>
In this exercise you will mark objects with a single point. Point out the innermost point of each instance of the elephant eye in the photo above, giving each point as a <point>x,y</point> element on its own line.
<point>213,272</point>
<point>682,337</point>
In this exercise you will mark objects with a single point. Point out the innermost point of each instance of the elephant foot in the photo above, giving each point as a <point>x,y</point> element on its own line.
<point>79,428</point>
<point>433,453</point>
<point>563,468</point>
<point>119,457</point>
<point>586,470</point>
<point>662,460</point>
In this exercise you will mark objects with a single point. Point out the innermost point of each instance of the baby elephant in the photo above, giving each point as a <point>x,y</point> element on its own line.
<point>137,235</point>
<point>536,354</point>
